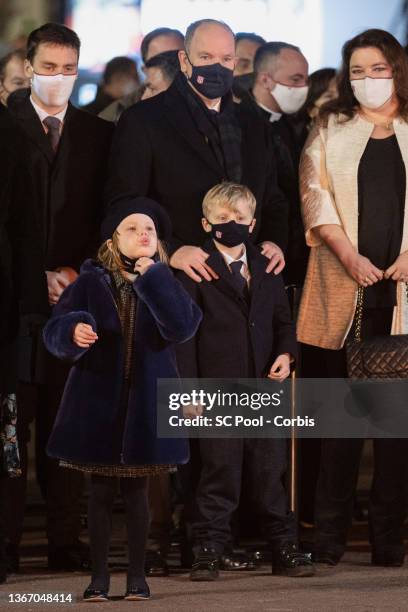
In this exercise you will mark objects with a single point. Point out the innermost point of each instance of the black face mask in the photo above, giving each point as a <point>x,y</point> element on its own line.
<point>244,81</point>
<point>230,234</point>
<point>212,81</point>
<point>129,262</point>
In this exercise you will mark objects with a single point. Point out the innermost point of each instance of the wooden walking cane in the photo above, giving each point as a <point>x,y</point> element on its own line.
<point>293,440</point>
<point>293,449</point>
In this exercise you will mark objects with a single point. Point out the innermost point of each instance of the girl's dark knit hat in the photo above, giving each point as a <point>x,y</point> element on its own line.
<point>130,205</point>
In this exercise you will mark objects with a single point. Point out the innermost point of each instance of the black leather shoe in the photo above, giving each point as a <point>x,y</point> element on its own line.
<point>155,564</point>
<point>137,594</point>
<point>95,595</point>
<point>388,556</point>
<point>205,566</point>
<point>237,562</point>
<point>68,559</point>
<point>287,560</point>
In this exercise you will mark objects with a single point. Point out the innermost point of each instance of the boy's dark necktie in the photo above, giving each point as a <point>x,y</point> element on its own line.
<point>53,126</point>
<point>239,280</point>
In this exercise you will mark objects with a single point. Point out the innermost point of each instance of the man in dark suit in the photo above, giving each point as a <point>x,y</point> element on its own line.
<point>177,145</point>
<point>246,332</point>
<point>279,91</point>
<point>23,290</point>
<point>67,150</point>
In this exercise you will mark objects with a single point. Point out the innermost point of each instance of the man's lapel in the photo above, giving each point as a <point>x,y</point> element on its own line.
<point>179,117</point>
<point>70,133</point>
<point>257,264</point>
<point>32,126</point>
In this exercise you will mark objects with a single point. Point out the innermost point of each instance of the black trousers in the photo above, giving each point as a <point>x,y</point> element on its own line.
<point>262,463</point>
<point>340,460</point>
<point>61,488</point>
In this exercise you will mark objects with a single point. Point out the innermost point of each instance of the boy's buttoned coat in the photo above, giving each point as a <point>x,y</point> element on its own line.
<point>237,338</point>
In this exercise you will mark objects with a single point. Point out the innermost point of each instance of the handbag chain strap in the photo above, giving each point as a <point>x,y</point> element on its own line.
<point>359,311</point>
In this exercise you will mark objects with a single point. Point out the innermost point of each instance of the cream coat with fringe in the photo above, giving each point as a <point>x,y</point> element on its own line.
<point>329,192</point>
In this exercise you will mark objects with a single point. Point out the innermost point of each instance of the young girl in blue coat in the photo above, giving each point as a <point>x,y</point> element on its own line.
<point>118,323</point>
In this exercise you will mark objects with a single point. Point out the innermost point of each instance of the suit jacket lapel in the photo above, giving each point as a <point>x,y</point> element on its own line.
<point>252,155</point>
<point>33,128</point>
<point>179,117</point>
<point>225,281</point>
<point>69,131</point>
<point>257,265</point>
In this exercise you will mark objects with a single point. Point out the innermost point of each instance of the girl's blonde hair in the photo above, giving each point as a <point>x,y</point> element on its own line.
<point>109,255</point>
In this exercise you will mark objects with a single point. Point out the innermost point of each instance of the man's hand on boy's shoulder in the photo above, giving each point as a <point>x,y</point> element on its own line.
<point>275,256</point>
<point>191,259</point>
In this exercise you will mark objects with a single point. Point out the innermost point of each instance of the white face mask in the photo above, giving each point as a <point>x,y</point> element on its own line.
<point>53,90</point>
<point>290,99</point>
<point>372,93</point>
<point>129,87</point>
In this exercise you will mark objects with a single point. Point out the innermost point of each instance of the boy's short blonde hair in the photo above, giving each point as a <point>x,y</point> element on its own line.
<point>227,194</point>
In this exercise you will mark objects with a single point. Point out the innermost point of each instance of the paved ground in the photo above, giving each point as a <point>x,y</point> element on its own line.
<point>354,585</point>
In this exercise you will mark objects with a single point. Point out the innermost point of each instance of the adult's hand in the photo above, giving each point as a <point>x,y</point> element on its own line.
<point>357,266</point>
<point>84,336</point>
<point>398,271</point>
<point>191,260</point>
<point>69,273</point>
<point>275,256</point>
<point>56,282</point>
<point>362,270</point>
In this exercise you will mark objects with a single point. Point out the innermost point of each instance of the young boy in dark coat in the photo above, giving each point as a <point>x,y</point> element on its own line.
<point>246,332</point>
<point>118,323</point>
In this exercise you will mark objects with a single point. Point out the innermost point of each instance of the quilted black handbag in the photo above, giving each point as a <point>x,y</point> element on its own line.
<point>381,357</point>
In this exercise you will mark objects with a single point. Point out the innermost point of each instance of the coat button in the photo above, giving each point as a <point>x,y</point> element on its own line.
<point>252,324</point>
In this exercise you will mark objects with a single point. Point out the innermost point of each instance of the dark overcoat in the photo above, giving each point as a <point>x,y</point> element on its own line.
<point>67,188</point>
<point>22,278</point>
<point>157,151</point>
<point>67,194</point>
<point>238,337</point>
<point>90,427</point>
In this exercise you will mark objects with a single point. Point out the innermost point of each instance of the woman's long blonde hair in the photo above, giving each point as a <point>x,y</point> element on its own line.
<point>109,254</point>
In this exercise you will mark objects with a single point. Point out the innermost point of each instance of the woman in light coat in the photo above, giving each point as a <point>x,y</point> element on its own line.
<point>354,192</point>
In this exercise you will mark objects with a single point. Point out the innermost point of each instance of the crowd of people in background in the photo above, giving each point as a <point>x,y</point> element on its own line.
<point>243,202</point>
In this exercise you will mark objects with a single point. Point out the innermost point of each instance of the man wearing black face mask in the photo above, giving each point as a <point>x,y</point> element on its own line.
<point>179,144</point>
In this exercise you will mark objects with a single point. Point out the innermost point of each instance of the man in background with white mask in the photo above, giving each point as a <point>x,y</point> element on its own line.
<point>279,91</point>
<point>67,151</point>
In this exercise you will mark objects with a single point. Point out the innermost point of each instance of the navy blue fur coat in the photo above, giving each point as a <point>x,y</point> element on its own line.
<point>90,427</point>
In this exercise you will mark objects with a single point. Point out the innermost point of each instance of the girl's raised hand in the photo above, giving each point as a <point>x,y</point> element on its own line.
<point>143,264</point>
<point>84,336</point>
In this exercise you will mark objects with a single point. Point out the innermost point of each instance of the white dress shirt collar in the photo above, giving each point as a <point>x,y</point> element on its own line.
<point>274,116</point>
<point>228,259</point>
<point>42,114</point>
